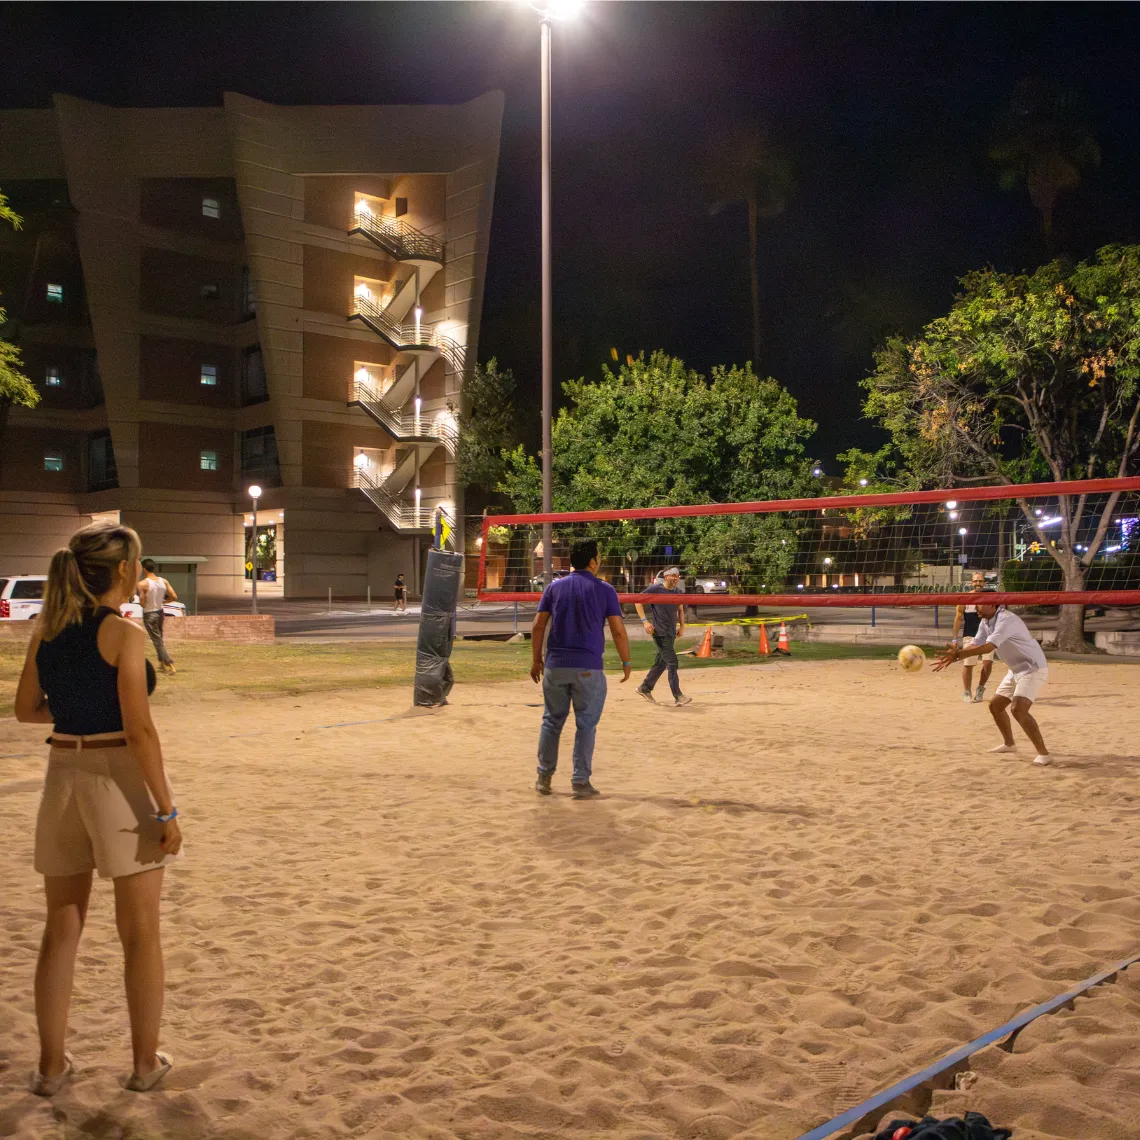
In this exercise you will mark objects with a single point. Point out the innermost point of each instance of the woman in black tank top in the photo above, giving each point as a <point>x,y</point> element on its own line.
<point>107,804</point>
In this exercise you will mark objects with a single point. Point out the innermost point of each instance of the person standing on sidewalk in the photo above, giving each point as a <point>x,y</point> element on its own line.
<point>400,589</point>
<point>666,622</point>
<point>153,592</point>
<point>576,609</point>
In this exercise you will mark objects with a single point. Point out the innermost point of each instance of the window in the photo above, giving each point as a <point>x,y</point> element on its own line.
<point>248,307</point>
<point>209,375</point>
<point>209,291</point>
<point>55,293</point>
<point>401,207</point>
<point>208,460</point>
<point>102,473</point>
<point>211,208</point>
<point>52,376</point>
<point>259,459</point>
<point>27,590</point>
<point>53,460</point>
<point>254,386</point>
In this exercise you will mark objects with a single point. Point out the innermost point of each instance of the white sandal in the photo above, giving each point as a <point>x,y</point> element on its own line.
<point>135,1083</point>
<point>40,1085</point>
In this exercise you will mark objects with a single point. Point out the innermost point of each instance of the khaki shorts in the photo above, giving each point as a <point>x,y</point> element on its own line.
<point>97,814</point>
<point>1027,685</point>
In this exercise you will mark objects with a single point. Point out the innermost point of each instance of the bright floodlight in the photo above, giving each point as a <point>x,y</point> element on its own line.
<point>255,492</point>
<point>951,504</point>
<point>862,482</point>
<point>817,471</point>
<point>564,9</point>
<point>953,514</point>
<point>961,530</point>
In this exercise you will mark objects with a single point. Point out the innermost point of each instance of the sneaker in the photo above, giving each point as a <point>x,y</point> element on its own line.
<point>966,696</point>
<point>980,695</point>
<point>646,694</point>
<point>583,791</point>
<point>1043,759</point>
<point>542,784</point>
<point>682,700</point>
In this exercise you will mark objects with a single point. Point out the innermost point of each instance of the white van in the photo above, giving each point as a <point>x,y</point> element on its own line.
<point>22,598</point>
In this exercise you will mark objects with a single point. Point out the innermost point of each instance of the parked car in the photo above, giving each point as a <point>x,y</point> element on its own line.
<point>699,583</point>
<point>22,598</point>
<point>538,584</point>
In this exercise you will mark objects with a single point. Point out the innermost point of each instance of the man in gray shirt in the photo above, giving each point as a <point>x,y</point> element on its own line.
<point>1005,634</point>
<point>665,623</point>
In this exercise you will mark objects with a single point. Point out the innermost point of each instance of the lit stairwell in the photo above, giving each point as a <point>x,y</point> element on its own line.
<point>406,336</point>
<point>394,236</point>
<point>402,425</point>
<point>384,489</point>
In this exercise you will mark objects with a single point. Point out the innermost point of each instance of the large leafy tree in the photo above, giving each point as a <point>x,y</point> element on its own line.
<point>655,433</point>
<point>15,387</point>
<point>748,167</point>
<point>1027,376</point>
<point>488,427</point>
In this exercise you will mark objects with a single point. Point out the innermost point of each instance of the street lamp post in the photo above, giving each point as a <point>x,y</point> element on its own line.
<point>254,494</point>
<point>547,316</point>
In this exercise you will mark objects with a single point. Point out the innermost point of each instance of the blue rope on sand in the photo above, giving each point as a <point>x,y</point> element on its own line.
<point>884,1099</point>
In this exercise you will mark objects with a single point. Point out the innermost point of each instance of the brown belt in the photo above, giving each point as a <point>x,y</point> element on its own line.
<point>84,745</point>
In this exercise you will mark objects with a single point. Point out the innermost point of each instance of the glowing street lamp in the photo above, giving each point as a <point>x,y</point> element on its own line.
<point>254,493</point>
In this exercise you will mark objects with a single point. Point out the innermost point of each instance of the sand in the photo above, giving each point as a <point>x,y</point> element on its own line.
<point>799,889</point>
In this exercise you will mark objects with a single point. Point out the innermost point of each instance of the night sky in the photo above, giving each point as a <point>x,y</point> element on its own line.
<point>885,111</point>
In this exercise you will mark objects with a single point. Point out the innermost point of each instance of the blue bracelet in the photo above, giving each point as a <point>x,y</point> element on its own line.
<point>167,818</point>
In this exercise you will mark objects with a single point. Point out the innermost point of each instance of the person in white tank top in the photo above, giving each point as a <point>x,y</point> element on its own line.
<point>153,592</point>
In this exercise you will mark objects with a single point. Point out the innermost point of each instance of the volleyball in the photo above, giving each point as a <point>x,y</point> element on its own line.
<point>911,658</point>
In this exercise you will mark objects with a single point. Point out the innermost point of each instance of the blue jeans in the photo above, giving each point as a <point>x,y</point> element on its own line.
<point>585,689</point>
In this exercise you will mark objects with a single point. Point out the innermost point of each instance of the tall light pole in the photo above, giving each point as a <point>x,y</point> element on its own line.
<point>547,317</point>
<point>254,494</point>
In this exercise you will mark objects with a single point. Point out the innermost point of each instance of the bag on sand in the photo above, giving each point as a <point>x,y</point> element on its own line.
<point>973,1127</point>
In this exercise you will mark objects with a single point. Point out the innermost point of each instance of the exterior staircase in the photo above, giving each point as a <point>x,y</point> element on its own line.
<point>403,426</point>
<point>397,238</point>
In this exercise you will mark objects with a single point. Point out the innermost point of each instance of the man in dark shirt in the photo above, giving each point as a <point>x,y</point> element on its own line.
<point>577,609</point>
<point>401,591</point>
<point>665,623</point>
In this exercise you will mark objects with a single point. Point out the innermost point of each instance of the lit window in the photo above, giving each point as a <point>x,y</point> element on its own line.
<point>209,375</point>
<point>210,291</point>
<point>210,208</point>
<point>55,293</point>
<point>53,460</point>
<point>52,377</point>
<point>208,460</point>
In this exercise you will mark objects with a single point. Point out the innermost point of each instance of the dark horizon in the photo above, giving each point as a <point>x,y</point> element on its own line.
<point>885,112</point>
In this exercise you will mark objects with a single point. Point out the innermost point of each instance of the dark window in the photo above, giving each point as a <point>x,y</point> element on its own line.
<point>401,207</point>
<point>254,387</point>
<point>53,460</point>
<point>208,375</point>
<point>53,378</point>
<point>209,291</point>
<point>259,460</point>
<point>3,583</point>
<point>101,470</point>
<point>248,308</point>
<point>32,588</point>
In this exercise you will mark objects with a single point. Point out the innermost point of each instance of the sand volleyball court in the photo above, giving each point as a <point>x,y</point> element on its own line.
<point>796,891</point>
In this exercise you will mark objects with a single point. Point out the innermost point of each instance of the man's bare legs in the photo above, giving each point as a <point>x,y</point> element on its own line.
<point>67,897</point>
<point>137,900</point>
<point>1023,716</point>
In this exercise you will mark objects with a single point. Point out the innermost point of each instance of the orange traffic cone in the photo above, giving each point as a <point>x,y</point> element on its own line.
<point>706,645</point>
<point>782,646</point>
<point>764,648</point>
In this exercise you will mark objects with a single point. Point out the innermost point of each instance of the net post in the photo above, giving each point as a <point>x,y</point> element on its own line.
<point>481,580</point>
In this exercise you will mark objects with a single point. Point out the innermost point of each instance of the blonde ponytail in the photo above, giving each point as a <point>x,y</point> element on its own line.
<point>82,571</point>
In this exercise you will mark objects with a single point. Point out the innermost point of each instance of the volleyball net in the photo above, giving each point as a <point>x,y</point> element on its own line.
<point>1034,544</point>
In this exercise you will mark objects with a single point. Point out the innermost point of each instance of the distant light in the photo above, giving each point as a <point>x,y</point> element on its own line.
<point>800,586</point>
<point>255,491</point>
<point>564,9</point>
<point>1038,512</point>
<point>419,312</point>
<point>961,530</point>
<point>361,459</point>
<point>951,504</point>
<point>827,562</point>
<point>1050,522</point>
<point>817,471</point>
<point>1111,549</point>
<point>835,585</point>
<point>953,514</point>
<point>479,541</point>
<point>862,482</point>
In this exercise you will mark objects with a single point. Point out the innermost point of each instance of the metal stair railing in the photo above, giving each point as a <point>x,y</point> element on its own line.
<point>405,335</point>
<point>400,424</point>
<point>397,510</point>
<point>397,237</point>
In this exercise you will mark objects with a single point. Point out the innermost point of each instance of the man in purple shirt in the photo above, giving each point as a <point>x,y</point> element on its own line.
<point>577,609</point>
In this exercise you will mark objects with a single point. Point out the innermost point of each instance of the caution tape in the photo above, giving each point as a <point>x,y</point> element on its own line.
<point>753,620</point>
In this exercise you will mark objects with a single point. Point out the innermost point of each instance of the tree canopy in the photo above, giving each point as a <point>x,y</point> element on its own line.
<point>655,433</point>
<point>1028,376</point>
<point>15,387</point>
<point>487,427</point>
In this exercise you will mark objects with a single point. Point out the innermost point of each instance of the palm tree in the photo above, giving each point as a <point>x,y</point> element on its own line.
<point>746,166</point>
<point>1042,142</point>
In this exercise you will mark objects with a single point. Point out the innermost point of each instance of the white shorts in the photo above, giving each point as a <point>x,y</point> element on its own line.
<point>970,643</point>
<point>1027,685</point>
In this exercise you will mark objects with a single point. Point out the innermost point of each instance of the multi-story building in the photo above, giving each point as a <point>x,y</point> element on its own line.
<point>248,294</point>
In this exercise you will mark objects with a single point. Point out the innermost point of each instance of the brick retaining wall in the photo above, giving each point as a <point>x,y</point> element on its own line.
<point>244,628</point>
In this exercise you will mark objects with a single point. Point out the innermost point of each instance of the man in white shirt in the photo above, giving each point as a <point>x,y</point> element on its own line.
<point>1005,634</point>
